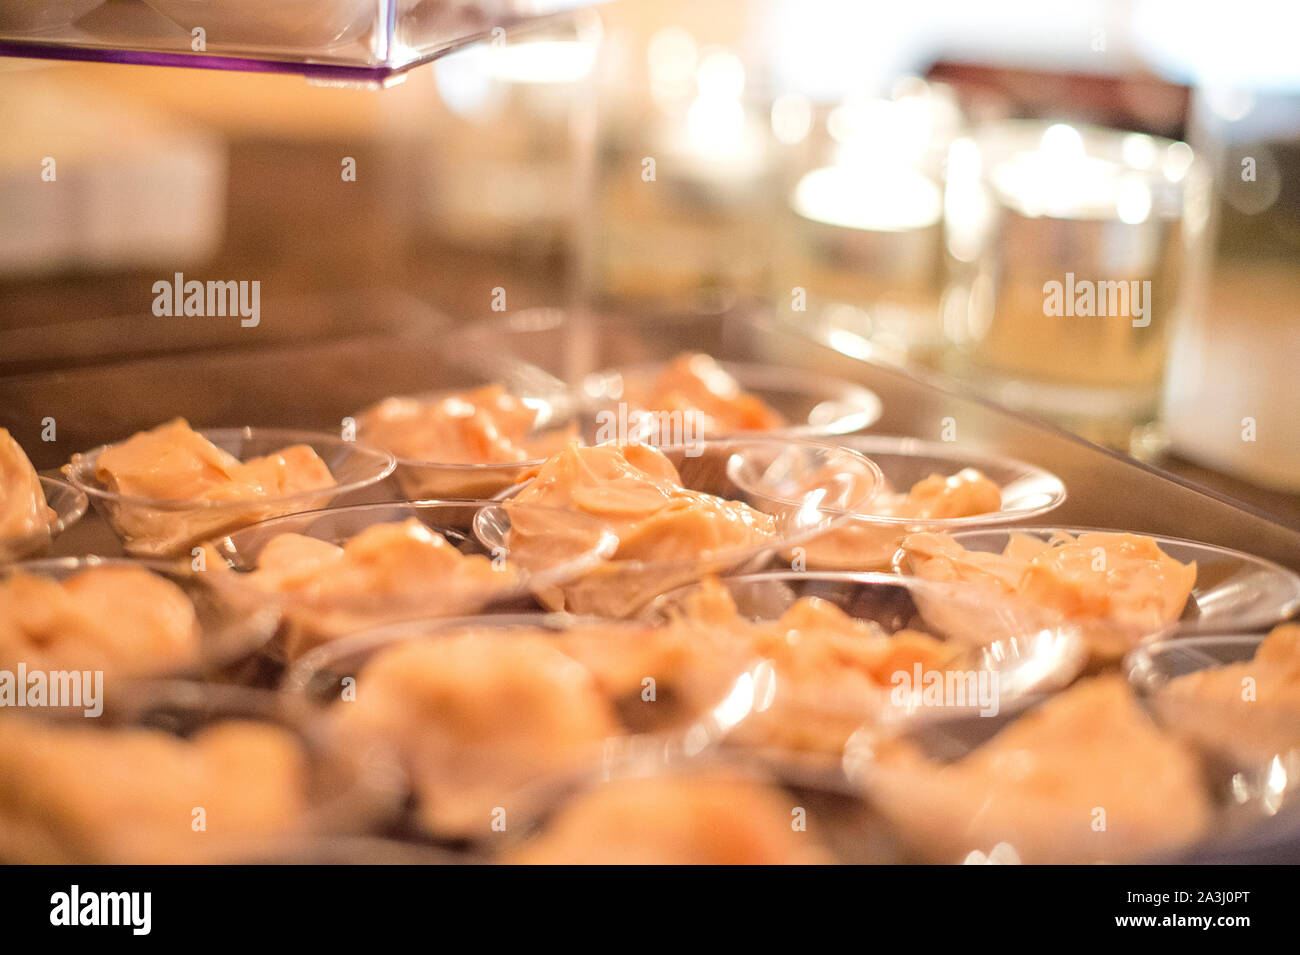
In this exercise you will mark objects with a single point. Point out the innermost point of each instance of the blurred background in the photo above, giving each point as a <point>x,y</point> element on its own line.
<point>904,183</point>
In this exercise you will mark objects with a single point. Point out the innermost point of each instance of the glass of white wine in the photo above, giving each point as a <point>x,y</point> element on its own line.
<point>1067,248</point>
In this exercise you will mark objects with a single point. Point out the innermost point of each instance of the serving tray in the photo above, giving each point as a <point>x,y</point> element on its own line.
<point>314,380</point>
<point>329,369</point>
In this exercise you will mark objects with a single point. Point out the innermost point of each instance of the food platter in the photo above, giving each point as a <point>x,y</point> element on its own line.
<point>1100,490</point>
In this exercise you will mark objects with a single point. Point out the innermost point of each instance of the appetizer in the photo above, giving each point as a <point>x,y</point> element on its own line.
<point>1118,587</point>
<point>861,544</point>
<point>23,510</point>
<point>830,672</point>
<point>1246,712</point>
<point>124,621</point>
<point>484,426</point>
<point>696,385</point>
<point>1084,777</point>
<point>73,794</point>
<point>173,464</point>
<point>636,491</point>
<point>477,718</point>
<point>710,819</point>
<point>663,678</point>
<point>388,572</point>
<point>1272,677</point>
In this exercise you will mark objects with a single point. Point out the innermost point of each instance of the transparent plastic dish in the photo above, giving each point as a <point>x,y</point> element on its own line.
<point>1009,654</point>
<point>905,773</point>
<point>870,542</point>
<point>558,417</point>
<point>461,768</point>
<point>814,406</point>
<point>570,344</point>
<point>350,792</point>
<point>234,624</point>
<point>1231,724</point>
<point>832,483</point>
<point>68,504</point>
<point>157,527</point>
<point>306,23</point>
<point>314,615</point>
<point>1234,591</point>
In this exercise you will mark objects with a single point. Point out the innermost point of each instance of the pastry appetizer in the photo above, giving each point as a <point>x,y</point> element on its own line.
<point>636,491</point>
<point>1084,777</point>
<point>484,426</point>
<point>863,545</point>
<point>696,385</point>
<point>478,718</point>
<point>1117,587</point>
<point>125,621</point>
<point>463,443</point>
<point>829,672</point>
<point>1247,713</point>
<point>154,474</point>
<point>710,819</point>
<point>23,510</point>
<point>386,573</point>
<point>74,794</point>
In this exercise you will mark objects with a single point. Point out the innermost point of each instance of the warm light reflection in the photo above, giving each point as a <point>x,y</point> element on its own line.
<point>1275,787</point>
<point>792,118</point>
<point>1133,202</point>
<point>715,124</point>
<point>739,702</point>
<point>1139,151</point>
<point>542,61</point>
<point>671,57</point>
<point>1178,159</point>
<point>879,200</point>
<point>720,75</point>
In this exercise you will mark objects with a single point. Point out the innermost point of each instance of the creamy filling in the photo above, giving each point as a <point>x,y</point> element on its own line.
<point>23,510</point>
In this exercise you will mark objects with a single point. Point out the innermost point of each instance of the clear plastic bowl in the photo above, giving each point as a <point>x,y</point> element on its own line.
<point>234,624</point>
<point>1253,807</point>
<point>1234,591</point>
<point>559,411</point>
<point>1024,655</point>
<point>870,542</point>
<point>1240,733</point>
<point>473,527</point>
<point>834,482</point>
<point>687,715</point>
<point>814,405</point>
<point>569,344</point>
<point>599,353</point>
<point>68,504</point>
<point>156,527</point>
<point>349,792</point>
